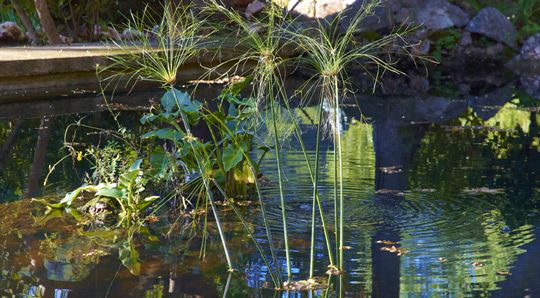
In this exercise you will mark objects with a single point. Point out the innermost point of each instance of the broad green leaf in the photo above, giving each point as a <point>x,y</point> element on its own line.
<point>148,118</point>
<point>130,257</point>
<point>71,196</point>
<point>173,99</point>
<point>165,134</point>
<point>231,157</point>
<point>159,162</point>
<point>136,165</point>
<point>147,201</point>
<point>111,193</point>
<point>47,204</point>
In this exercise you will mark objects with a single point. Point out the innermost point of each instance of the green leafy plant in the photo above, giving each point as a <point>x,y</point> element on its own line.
<point>127,193</point>
<point>445,42</point>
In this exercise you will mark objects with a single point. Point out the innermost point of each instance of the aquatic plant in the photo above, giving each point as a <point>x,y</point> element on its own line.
<point>222,167</point>
<point>263,46</point>
<point>329,51</point>
<point>157,52</point>
<point>127,193</point>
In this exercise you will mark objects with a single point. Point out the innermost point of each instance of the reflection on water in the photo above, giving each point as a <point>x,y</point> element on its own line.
<point>455,182</point>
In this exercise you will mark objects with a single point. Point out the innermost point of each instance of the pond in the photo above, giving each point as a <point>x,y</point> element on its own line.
<point>442,199</point>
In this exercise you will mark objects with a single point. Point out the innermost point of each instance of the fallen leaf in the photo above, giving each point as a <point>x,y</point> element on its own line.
<point>390,192</point>
<point>391,170</point>
<point>152,219</point>
<point>478,264</point>
<point>333,270</point>
<point>504,273</point>
<point>484,190</point>
<point>443,260</point>
<point>393,249</point>
<point>386,242</point>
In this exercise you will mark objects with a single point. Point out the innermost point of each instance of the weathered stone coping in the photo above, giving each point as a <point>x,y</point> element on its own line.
<point>45,72</point>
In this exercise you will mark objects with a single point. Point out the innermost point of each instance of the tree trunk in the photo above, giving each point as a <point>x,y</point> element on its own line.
<point>9,142</point>
<point>31,31</point>
<point>40,153</point>
<point>47,22</point>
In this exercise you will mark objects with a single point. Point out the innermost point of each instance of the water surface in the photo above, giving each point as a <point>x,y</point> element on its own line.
<point>453,179</point>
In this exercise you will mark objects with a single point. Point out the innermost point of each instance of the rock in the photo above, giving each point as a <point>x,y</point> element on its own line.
<point>318,8</point>
<point>253,8</point>
<point>113,34</point>
<point>66,39</point>
<point>531,48</point>
<point>528,60</point>
<point>422,47</point>
<point>131,34</point>
<point>440,14</point>
<point>475,55</point>
<point>420,84</point>
<point>382,16</point>
<point>487,105</point>
<point>11,32</point>
<point>466,39</point>
<point>530,83</point>
<point>433,15</point>
<point>493,24</point>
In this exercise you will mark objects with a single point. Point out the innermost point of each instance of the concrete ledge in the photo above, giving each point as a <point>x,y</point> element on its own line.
<point>29,73</point>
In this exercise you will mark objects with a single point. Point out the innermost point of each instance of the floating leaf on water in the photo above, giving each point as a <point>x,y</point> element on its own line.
<point>386,191</point>
<point>484,190</point>
<point>345,247</point>
<point>152,219</point>
<point>386,242</point>
<point>245,203</point>
<point>504,273</point>
<point>443,260</point>
<point>333,270</point>
<point>97,252</point>
<point>478,264</point>
<point>303,285</point>
<point>393,249</point>
<point>391,170</point>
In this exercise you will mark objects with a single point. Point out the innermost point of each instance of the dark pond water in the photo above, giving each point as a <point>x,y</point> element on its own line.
<point>454,179</point>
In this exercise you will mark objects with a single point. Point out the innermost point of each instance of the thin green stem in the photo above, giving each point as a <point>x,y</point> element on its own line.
<point>185,121</point>
<point>250,233</point>
<point>298,133</point>
<point>315,195</point>
<point>340,158</point>
<point>336,206</point>
<point>218,223</point>
<point>257,188</point>
<point>280,182</point>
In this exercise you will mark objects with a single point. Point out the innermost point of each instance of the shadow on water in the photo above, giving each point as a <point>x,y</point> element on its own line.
<point>442,196</point>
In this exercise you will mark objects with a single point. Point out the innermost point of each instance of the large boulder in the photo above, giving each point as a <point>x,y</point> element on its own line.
<point>11,32</point>
<point>531,48</point>
<point>318,8</point>
<point>531,84</point>
<point>493,24</point>
<point>528,59</point>
<point>433,15</point>
<point>440,14</point>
